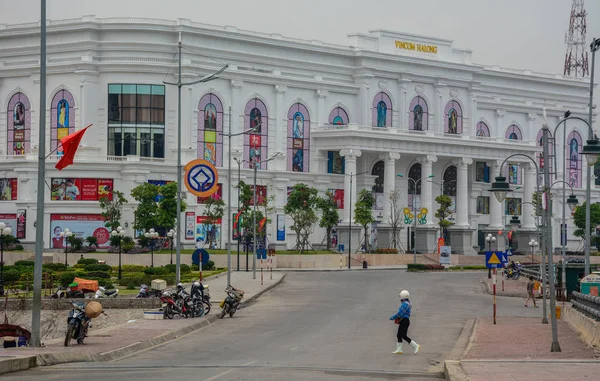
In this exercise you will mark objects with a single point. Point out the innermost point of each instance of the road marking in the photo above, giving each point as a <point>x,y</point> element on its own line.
<point>293,349</point>
<point>219,375</point>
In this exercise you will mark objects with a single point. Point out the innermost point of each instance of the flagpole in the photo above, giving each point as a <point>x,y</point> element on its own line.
<point>39,230</point>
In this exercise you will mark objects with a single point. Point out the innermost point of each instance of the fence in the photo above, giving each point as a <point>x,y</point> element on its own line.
<point>587,304</point>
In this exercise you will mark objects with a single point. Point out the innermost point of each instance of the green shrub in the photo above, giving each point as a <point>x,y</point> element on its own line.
<point>106,268</point>
<point>185,269</point>
<point>127,244</point>
<point>98,274</point>
<point>130,286</point>
<point>195,267</point>
<point>208,265</point>
<point>25,263</point>
<point>87,261</point>
<point>434,267</point>
<point>11,276</point>
<point>108,285</point>
<point>78,266</point>
<point>54,266</point>
<point>172,268</point>
<point>130,268</point>
<point>156,271</point>
<point>65,278</point>
<point>386,251</point>
<point>416,267</point>
<point>92,241</point>
<point>468,267</point>
<point>18,247</point>
<point>136,281</point>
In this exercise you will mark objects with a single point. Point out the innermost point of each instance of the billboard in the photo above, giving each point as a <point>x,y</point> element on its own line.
<point>10,219</point>
<point>8,189</point>
<point>208,232</point>
<point>190,218</point>
<point>81,225</point>
<point>69,189</point>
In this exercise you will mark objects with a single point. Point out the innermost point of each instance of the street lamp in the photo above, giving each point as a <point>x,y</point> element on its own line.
<point>414,207</point>
<point>152,236</point>
<point>490,239</point>
<point>351,176</point>
<point>515,222</point>
<point>5,231</point>
<point>239,236</point>
<point>171,234</point>
<point>500,188</point>
<point>119,234</point>
<point>66,234</point>
<point>533,243</point>
<point>254,214</point>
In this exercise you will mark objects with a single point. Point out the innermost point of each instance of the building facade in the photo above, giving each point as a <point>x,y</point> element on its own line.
<point>391,111</point>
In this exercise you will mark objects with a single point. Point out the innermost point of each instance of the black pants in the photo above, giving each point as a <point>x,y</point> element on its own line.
<point>403,330</point>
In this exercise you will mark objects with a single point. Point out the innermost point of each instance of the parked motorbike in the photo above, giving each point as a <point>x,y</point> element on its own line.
<point>231,303</point>
<point>146,292</point>
<point>102,293</point>
<point>200,295</point>
<point>78,324</point>
<point>61,293</point>
<point>180,304</point>
<point>510,273</point>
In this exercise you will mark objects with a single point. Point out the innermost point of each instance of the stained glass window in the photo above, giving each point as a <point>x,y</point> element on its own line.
<point>419,114</point>
<point>414,194</point>
<point>298,140</point>
<point>453,118</point>
<point>335,163</point>
<point>255,143</point>
<point>449,187</point>
<point>574,168</point>
<point>513,132</point>
<point>338,117</point>
<point>210,129</point>
<point>512,171</point>
<point>512,206</point>
<point>18,125</point>
<point>62,119</point>
<point>483,205</point>
<point>482,130</point>
<point>382,110</point>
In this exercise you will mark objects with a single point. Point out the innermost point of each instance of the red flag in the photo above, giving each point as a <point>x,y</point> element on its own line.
<point>262,223</point>
<point>70,144</point>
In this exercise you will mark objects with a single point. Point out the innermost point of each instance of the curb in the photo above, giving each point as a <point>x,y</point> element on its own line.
<point>46,359</point>
<point>489,290</point>
<point>454,371</point>
<point>309,270</point>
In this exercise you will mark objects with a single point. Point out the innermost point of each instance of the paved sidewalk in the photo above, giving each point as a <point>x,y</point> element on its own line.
<point>139,334</point>
<point>515,288</point>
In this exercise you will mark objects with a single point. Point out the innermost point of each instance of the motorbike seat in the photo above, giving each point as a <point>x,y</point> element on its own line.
<point>108,293</point>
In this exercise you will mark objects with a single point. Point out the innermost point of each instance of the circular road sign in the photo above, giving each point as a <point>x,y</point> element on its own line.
<point>201,178</point>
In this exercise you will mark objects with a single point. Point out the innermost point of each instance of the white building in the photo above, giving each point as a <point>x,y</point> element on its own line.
<point>389,103</point>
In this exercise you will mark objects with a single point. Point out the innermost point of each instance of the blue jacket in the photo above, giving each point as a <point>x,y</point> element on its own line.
<point>403,311</point>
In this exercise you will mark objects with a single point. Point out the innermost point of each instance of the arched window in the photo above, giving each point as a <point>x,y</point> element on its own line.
<point>574,168</point>
<point>18,125</point>
<point>449,187</point>
<point>298,142</point>
<point>63,119</point>
<point>382,110</point>
<point>210,129</point>
<point>338,117</point>
<point>513,132</point>
<point>482,130</point>
<point>414,173</point>
<point>379,171</point>
<point>255,143</point>
<point>419,114</point>
<point>454,118</point>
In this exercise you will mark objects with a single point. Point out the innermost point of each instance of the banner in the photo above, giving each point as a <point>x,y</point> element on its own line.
<point>261,194</point>
<point>338,197</point>
<point>208,233</point>
<point>236,232</point>
<point>68,189</point>
<point>81,225</point>
<point>21,223</point>
<point>190,218</point>
<point>10,220</point>
<point>281,227</point>
<point>8,189</point>
<point>217,195</point>
<point>445,255</point>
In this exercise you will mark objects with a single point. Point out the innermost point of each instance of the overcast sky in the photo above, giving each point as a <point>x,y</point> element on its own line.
<point>520,34</point>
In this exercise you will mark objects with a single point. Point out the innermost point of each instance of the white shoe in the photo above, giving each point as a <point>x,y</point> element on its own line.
<point>398,350</point>
<point>416,346</point>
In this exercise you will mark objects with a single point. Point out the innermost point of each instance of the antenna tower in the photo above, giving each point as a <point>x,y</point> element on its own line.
<point>576,59</point>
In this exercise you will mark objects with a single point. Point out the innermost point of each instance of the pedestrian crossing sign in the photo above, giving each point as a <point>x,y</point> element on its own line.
<point>494,259</point>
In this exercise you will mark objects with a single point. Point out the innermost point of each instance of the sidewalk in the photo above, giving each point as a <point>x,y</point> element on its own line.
<point>519,349</point>
<point>115,342</point>
<point>514,288</point>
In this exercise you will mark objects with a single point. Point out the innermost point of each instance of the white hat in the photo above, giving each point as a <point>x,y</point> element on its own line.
<point>404,294</point>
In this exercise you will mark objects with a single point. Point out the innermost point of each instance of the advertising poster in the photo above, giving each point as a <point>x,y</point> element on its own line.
<point>338,197</point>
<point>217,195</point>
<point>281,227</point>
<point>261,195</point>
<point>21,223</point>
<point>236,232</point>
<point>81,225</point>
<point>190,218</point>
<point>65,189</point>
<point>208,235</point>
<point>445,255</point>
<point>8,189</point>
<point>10,220</point>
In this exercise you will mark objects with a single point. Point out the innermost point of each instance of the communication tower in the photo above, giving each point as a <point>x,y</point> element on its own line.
<point>576,59</point>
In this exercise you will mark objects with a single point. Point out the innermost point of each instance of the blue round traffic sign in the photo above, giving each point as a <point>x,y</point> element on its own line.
<point>199,254</point>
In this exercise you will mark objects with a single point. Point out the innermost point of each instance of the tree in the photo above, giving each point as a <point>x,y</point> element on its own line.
<point>214,210</point>
<point>363,213</point>
<point>395,219</point>
<point>166,214</point>
<point>146,212</point>
<point>329,214</point>
<point>443,211</point>
<point>111,209</point>
<point>579,219</point>
<point>301,208</point>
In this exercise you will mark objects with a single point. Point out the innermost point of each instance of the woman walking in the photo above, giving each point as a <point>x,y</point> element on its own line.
<point>402,318</point>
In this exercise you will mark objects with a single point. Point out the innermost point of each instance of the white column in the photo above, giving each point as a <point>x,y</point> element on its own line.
<point>462,196</point>
<point>500,128</point>
<point>427,186</point>
<point>364,115</point>
<point>280,134</point>
<point>389,182</point>
<point>237,120</point>
<point>34,100</point>
<point>495,206</point>
<point>472,115</point>
<point>321,111</point>
<point>402,123</point>
<point>532,130</point>
<point>529,188</point>
<point>439,109</point>
<point>350,156</point>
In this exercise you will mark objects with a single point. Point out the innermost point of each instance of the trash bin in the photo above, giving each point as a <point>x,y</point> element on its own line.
<point>590,284</point>
<point>364,264</point>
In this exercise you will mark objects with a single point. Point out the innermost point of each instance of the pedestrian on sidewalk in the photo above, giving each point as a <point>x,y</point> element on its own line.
<point>530,286</point>
<point>402,318</point>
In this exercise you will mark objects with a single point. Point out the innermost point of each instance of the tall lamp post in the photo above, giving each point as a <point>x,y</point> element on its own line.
<point>414,207</point>
<point>5,231</point>
<point>66,234</point>
<point>351,176</point>
<point>490,239</point>
<point>254,213</point>
<point>152,236</point>
<point>239,236</point>
<point>119,234</point>
<point>171,234</point>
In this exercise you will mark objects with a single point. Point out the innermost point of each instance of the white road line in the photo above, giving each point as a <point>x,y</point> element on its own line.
<point>216,376</point>
<point>293,349</point>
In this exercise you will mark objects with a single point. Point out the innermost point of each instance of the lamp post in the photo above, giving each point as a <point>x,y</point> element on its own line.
<point>254,212</point>
<point>152,236</point>
<point>352,176</point>
<point>414,207</point>
<point>490,239</point>
<point>533,243</point>
<point>239,237</point>
<point>171,234</point>
<point>66,234</point>
<point>5,231</point>
<point>119,234</point>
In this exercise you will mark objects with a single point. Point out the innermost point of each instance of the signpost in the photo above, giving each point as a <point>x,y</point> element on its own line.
<point>201,178</point>
<point>494,260</point>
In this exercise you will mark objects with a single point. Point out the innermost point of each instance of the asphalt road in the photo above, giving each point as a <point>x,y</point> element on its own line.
<point>316,326</point>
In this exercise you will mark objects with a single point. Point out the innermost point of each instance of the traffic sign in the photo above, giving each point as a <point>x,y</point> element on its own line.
<point>493,259</point>
<point>509,253</point>
<point>201,178</point>
<point>200,255</point>
<point>261,254</point>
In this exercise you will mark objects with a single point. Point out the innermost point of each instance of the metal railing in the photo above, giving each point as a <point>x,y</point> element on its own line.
<point>588,305</point>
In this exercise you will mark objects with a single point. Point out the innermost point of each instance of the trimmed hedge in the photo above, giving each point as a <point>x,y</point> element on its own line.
<point>24,263</point>
<point>386,251</point>
<point>98,274</point>
<point>54,266</point>
<point>11,276</point>
<point>156,271</point>
<point>130,268</point>
<point>134,282</point>
<point>106,268</point>
<point>87,261</point>
<point>468,267</point>
<point>425,267</point>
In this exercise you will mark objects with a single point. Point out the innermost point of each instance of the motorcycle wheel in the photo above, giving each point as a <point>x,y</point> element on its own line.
<point>199,310</point>
<point>223,313</point>
<point>69,335</point>
<point>231,313</point>
<point>206,307</point>
<point>169,311</point>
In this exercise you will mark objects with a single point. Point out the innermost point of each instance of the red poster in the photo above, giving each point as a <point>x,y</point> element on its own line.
<point>8,189</point>
<point>204,219</point>
<point>105,188</point>
<point>82,225</point>
<point>338,197</point>
<point>88,189</point>
<point>21,223</point>
<point>261,195</point>
<point>217,195</point>
<point>69,189</point>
